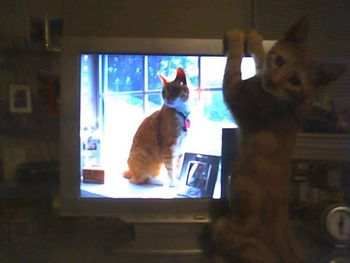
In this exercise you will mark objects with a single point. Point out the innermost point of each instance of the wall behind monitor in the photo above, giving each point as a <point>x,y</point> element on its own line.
<point>155,18</point>
<point>15,16</point>
<point>329,34</point>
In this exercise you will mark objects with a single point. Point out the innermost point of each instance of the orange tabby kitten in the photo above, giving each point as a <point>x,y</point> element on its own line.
<point>269,109</point>
<point>160,135</point>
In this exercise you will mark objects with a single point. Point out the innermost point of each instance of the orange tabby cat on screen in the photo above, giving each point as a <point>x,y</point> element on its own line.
<point>158,139</point>
<point>269,109</point>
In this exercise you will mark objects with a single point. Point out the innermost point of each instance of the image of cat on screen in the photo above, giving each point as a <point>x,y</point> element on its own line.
<point>158,139</point>
<point>133,115</point>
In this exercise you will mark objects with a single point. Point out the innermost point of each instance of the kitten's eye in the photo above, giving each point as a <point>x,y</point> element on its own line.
<point>295,80</point>
<point>279,61</point>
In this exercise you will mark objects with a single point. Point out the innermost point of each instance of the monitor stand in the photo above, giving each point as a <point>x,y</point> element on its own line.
<point>163,240</point>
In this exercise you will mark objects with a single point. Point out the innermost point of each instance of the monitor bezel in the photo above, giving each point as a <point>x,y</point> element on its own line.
<point>130,210</point>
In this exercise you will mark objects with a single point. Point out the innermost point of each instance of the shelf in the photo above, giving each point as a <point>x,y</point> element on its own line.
<point>30,59</point>
<point>24,46</point>
<point>328,147</point>
<point>31,126</point>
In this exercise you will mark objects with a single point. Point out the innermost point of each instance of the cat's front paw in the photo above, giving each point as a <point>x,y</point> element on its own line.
<point>155,181</point>
<point>254,42</point>
<point>234,42</point>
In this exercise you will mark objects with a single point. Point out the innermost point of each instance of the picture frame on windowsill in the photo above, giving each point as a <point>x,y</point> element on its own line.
<point>198,175</point>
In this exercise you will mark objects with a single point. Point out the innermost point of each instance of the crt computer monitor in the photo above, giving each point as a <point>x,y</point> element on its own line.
<point>109,85</point>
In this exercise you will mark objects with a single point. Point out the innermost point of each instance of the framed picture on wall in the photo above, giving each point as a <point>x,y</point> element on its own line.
<point>20,98</point>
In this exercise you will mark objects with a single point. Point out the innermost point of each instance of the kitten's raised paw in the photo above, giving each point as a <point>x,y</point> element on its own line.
<point>234,42</point>
<point>254,42</point>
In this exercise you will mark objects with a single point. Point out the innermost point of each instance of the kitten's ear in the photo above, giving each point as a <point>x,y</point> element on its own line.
<point>162,79</point>
<point>297,33</point>
<point>180,76</point>
<point>327,72</point>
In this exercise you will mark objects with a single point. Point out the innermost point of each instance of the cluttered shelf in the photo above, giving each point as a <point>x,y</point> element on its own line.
<point>327,146</point>
<point>31,126</point>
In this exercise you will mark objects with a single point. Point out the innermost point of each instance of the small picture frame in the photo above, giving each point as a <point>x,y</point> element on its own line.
<point>20,98</point>
<point>198,175</point>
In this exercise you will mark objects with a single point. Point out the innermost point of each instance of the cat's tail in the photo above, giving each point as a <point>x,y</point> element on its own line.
<point>137,179</point>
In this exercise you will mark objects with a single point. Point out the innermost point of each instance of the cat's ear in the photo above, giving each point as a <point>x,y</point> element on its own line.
<point>162,79</point>
<point>327,72</point>
<point>298,32</point>
<point>180,76</point>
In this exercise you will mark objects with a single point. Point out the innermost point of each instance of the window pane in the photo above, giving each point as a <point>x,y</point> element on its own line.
<point>214,109</point>
<point>119,105</point>
<point>248,67</point>
<point>89,89</point>
<point>155,102</point>
<point>212,72</point>
<point>122,116</point>
<point>167,66</point>
<point>125,72</point>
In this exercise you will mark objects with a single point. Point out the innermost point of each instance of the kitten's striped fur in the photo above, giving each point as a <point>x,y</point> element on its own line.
<point>160,135</point>
<point>268,109</point>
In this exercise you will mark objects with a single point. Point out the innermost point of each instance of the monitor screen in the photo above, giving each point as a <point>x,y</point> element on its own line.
<point>118,91</point>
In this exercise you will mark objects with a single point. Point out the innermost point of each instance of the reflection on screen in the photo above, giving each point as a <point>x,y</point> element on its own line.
<point>118,91</point>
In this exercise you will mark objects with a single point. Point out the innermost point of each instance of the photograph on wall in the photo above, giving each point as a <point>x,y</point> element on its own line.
<point>20,98</point>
